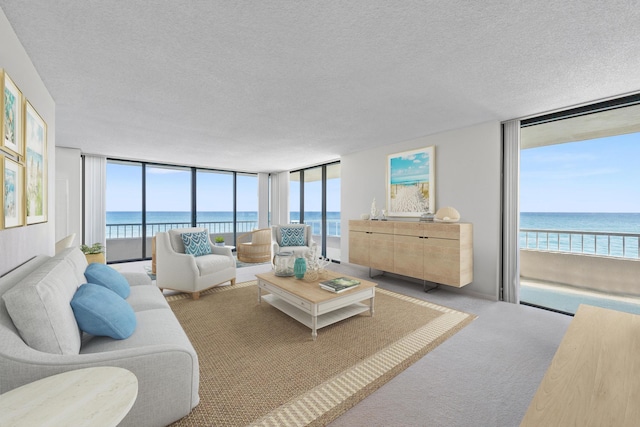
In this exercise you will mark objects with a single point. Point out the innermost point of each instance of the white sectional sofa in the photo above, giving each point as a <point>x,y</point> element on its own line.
<point>158,352</point>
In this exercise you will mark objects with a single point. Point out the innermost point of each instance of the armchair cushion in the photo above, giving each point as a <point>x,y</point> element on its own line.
<point>210,265</point>
<point>292,236</point>
<point>196,244</point>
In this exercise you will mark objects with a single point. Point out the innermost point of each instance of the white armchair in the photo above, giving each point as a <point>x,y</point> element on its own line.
<point>296,238</point>
<point>183,272</point>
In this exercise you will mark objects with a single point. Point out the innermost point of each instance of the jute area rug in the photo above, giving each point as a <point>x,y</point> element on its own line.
<point>260,367</point>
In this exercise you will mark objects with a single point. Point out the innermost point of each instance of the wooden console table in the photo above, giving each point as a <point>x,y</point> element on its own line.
<point>436,252</point>
<point>594,377</point>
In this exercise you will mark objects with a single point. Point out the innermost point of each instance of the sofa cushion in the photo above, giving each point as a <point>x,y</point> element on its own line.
<point>292,236</point>
<point>39,308</point>
<point>160,332</point>
<point>146,298</point>
<point>103,275</point>
<point>196,244</point>
<point>101,312</point>
<point>137,279</point>
<point>77,260</point>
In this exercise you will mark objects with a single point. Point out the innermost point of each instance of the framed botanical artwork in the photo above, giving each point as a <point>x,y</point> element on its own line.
<point>11,125</point>
<point>35,137</point>
<point>411,183</point>
<point>12,193</point>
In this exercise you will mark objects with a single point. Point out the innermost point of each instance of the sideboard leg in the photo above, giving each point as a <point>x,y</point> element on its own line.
<point>429,289</point>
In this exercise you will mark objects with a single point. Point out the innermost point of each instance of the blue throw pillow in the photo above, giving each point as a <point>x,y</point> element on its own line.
<point>101,312</point>
<point>103,275</point>
<point>196,244</point>
<point>292,236</point>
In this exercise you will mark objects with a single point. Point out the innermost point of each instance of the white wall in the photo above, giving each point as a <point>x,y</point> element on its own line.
<point>18,245</point>
<point>467,173</point>
<point>68,193</point>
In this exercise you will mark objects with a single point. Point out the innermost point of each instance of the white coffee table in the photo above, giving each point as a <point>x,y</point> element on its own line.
<point>100,396</point>
<point>311,305</point>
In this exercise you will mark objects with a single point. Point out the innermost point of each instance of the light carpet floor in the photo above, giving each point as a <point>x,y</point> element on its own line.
<point>260,367</point>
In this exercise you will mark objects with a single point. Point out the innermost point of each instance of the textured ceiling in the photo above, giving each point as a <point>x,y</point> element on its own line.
<point>277,85</point>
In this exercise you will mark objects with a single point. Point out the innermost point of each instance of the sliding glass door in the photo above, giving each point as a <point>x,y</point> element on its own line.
<point>579,211</point>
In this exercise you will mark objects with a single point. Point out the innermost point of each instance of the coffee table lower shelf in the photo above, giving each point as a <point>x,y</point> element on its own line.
<point>322,320</point>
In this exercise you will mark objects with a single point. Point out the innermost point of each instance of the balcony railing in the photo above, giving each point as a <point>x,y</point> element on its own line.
<point>625,245</point>
<point>333,227</point>
<point>133,231</point>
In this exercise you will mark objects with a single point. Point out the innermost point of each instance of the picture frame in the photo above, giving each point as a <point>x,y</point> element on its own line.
<point>12,193</point>
<point>35,136</point>
<point>11,101</point>
<point>411,183</point>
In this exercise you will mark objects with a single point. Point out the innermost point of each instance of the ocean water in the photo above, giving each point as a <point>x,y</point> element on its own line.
<point>129,224</point>
<point>605,222</point>
<point>620,246</point>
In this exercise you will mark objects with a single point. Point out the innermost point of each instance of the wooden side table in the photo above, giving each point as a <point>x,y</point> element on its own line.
<point>100,396</point>
<point>594,377</point>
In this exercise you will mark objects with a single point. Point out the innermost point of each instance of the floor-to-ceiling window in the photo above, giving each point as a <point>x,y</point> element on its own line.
<point>314,199</point>
<point>214,203</point>
<point>333,192</point>
<point>144,198</point>
<point>246,203</point>
<point>580,208</point>
<point>167,200</point>
<point>295,208</point>
<point>124,210</point>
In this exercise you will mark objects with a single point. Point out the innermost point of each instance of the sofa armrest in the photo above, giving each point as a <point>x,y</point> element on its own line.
<point>153,366</point>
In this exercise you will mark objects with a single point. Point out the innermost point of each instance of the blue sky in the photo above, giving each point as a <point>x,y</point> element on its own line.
<point>413,168</point>
<point>313,196</point>
<point>169,190</point>
<point>598,175</point>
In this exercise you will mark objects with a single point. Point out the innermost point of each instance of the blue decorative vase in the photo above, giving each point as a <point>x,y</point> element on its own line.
<point>299,268</point>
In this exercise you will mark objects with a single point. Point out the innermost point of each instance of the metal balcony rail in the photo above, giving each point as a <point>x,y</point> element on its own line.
<point>625,245</point>
<point>333,227</point>
<point>133,231</point>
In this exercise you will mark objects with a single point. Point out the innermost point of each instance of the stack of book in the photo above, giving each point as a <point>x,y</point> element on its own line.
<point>339,284</point>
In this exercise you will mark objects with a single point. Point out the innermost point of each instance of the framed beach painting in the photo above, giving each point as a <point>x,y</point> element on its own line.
<point>35,136</point>
<point>12,193</point>
<point>411,183</point>
<point>11,125</point>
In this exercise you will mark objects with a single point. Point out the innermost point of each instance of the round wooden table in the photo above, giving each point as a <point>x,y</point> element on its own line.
<point>100,396</point>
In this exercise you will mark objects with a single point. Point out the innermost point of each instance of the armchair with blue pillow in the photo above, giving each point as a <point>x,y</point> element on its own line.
<point>187,261</point>
<point>296,238</point>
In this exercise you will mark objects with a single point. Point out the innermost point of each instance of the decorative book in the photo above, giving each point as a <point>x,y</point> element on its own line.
<point>339,284</point>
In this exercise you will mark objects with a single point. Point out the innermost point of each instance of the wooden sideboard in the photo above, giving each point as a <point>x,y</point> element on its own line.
<point>437,252</point>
